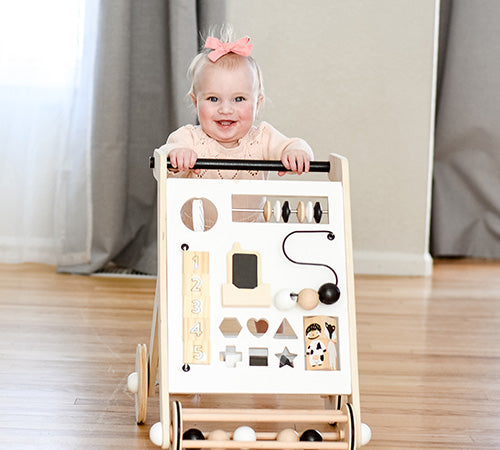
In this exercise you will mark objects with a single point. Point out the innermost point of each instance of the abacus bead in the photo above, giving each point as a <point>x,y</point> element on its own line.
<point>267,211</point>
<point>329,293</point>
<point>317,212</point>
<point>277,211</point>
<point>244,433</point>
<point>309,212</point>
<point>283,300</point>
<point>301,212</point>
<point>285,213</point>
<point>308,299</point>
<point>287,435</point>
<point>311,436</point>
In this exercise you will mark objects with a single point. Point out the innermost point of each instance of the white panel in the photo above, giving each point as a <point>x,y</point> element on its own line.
<point>265,238</point>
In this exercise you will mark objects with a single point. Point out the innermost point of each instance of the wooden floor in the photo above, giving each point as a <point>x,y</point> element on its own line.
<point>429,359</point>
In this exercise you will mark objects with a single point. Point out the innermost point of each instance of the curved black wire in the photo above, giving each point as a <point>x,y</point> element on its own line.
<point>330,236</point>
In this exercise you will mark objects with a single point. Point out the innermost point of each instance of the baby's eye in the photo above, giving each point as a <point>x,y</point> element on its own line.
<point>239,99</point>
<point>212,99</point>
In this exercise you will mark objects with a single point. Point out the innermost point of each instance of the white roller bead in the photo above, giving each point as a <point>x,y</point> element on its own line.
<point>133,382</point>
<point>156,434</point>
<point>283,300</point>
<point>309,212</point>
<point>277,211</point>
<point>244,434</point>
<point>198,214</point>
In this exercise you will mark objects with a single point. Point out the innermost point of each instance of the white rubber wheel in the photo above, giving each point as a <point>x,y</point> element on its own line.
<point>366,434</point>
<point>156,434</point>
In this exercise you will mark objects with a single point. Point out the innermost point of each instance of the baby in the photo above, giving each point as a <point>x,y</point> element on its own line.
<point>227,91</point>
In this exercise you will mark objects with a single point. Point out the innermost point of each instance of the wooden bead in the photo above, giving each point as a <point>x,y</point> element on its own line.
<point>308,299</point>
<point>301,212</point>
<point>267,211</point>
<point>288,435</point>
<point>219,435</point>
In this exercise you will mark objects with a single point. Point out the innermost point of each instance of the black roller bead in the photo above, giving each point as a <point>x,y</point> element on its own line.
<point>317,212</point>
<point>329,293</point>
<point>311,436</point>
<point>193,434</point>
<point>285,211</point>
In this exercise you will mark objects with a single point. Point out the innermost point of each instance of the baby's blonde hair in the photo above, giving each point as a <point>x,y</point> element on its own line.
<point>229,61</point>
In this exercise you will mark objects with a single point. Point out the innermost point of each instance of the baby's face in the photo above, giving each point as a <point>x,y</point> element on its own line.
<point>226,100</point>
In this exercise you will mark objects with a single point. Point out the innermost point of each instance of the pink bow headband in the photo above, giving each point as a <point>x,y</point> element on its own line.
<point>240,47</point>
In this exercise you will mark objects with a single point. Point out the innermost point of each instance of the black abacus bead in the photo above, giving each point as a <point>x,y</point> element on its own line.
<point>317,212</point>
<point>329,293</point>
<point>285,211</point>
<point>311,436</point>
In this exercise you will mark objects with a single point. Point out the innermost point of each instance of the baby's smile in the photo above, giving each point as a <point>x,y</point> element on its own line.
<point>225,123</point>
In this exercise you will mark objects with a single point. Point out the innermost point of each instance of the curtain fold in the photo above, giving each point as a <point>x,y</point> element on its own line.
<point>466,200</point>
<point>143,51</point>
<point>46,71</point>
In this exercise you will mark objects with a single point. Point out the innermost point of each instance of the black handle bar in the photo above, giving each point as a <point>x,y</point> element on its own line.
<point>249,164</point>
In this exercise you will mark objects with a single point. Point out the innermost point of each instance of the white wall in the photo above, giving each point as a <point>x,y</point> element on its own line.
<point>357,78</point>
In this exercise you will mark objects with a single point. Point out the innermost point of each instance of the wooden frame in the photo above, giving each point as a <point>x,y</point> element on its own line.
<point>345,408</point>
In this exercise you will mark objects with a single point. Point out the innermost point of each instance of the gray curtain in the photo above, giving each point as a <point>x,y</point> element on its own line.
<point>466,191</point>
<point>143,51</point>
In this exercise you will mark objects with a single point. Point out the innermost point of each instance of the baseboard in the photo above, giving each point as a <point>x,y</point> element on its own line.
<point>392,263</point>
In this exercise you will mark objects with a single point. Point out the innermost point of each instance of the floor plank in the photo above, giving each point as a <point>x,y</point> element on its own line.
<point>429,359</point>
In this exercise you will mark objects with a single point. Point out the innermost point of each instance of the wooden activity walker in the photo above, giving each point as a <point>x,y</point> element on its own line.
<point>254,295</point>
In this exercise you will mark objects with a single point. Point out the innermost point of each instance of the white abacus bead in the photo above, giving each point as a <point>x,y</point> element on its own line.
<point>133,382</point>
<point>198,214</point>
<point>309,212</point>
<point>284,300</point>
<point>244,434</point>
<point>156,434</point>
<point>366,434</point>
<point>277,211</point>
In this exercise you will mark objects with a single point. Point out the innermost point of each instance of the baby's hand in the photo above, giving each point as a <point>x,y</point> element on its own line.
<point>295,160</point>
<point>183,159</point>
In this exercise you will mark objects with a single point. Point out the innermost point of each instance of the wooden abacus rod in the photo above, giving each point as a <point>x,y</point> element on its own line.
<point>252,210</point>
<point>262,415</point>
<point>266,444</point>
